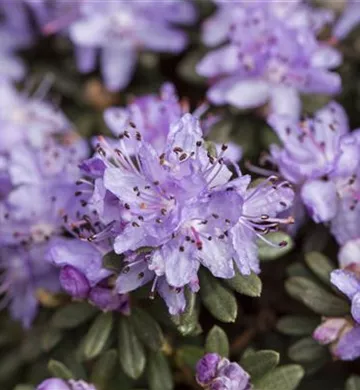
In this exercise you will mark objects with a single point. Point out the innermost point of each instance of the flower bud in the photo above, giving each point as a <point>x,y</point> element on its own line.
<point>74,282</point>
<point>206,368</point>
<point>106,300</point>
<point>53,384</point>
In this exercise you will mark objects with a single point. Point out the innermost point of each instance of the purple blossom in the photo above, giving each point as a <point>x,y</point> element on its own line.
<point>270,53</point>
<point>348,20</point>
<point>120,29</point>
<point>30,119</point>
<point>39,158</point>
<point>349,255</point>
<point>24,274</point>
<point>181,203</point>
<point>348,347</point>
<point>321,157</point>
<point>60,384</point>
<point>153,115</point>
<point>216,373</point>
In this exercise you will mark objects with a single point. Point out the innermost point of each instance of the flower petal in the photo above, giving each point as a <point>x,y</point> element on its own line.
<point>320,199</point>
<point>346,282</point>
<point>248,93</point>
<point>349,345</point>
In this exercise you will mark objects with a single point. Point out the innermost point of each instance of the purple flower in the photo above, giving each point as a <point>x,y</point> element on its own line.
<point>121,29</point>
<point>321,157</point>
<point>30,119</point>
<point>39,159</point>
<point>24,274</point>
<point>181,203</point>
<point>348,347</point>
<point>348,19</point>
<point>349,255</point>
<point>153,114</point>
<point>216,373</point>
<point>270,53</point>
<point>60,384</point>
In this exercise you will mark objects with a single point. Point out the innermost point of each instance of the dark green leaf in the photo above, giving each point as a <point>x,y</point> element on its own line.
<point>248,285</point>
<point>147,329</point>
<point>113,262</point>
<point>131,351</point>
<point>220,302</point>
<point>267,252</point>
<point>97,336</point>
<point>307,350</point>
<point>50,338</point>
<point>159,373</point>
<point>24,387</point>
<point>297,325</point>
<point>59,370</point>
<point>9,365</point>
<point>320,265</point>
<point>104,368</point>
<point>316,297</point>
<point>282,378</point>
<point>217,341</point>
<point>258,364</point>
<point>187,322</point>
<point>189,355</point>
<point>353,383</point>
<point>73,315</point>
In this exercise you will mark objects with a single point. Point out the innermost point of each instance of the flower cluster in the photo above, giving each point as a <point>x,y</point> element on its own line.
<point>60,384</point>
<point>270,53</point>
<point>119,30</point>
<point>182,205</point>
<point>321,157</point>
<point>39,152</point>
<point>343,333</point>
<point>216,373</point>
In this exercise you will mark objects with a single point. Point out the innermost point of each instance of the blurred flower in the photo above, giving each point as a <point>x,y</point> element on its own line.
<point>349,256</point>
<point>121,29</point>
<point>216,373</point>
<point>60,384</point>
<point>322,158</point>
<point>272,54</point>
<point>348,19</point>
<point>39,155</point>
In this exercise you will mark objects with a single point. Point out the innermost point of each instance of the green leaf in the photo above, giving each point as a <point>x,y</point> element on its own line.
<point>9,365</point>
<point>59,370</point>
<point>104,369</point>
<point>73,315</point>
<point>220,302</point>
<point>147,329</point>
<point>189,355</point>
<point>131,351</point>
<point>283,378</point>
<point>97,336</point>
<point>307,350</point>
<point>24,387</point>
<point>50,338</point>
<point>113,261</point>
<point>297,325</point>
<point>267,252</point>
<point>250,285</point>
<point>353,383</point>
<point>187,323</point>
<point>217,341</point>
<point>159,373</point>
<point>320,265</point>
<point>258,364</point>
<point>316,297</point>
